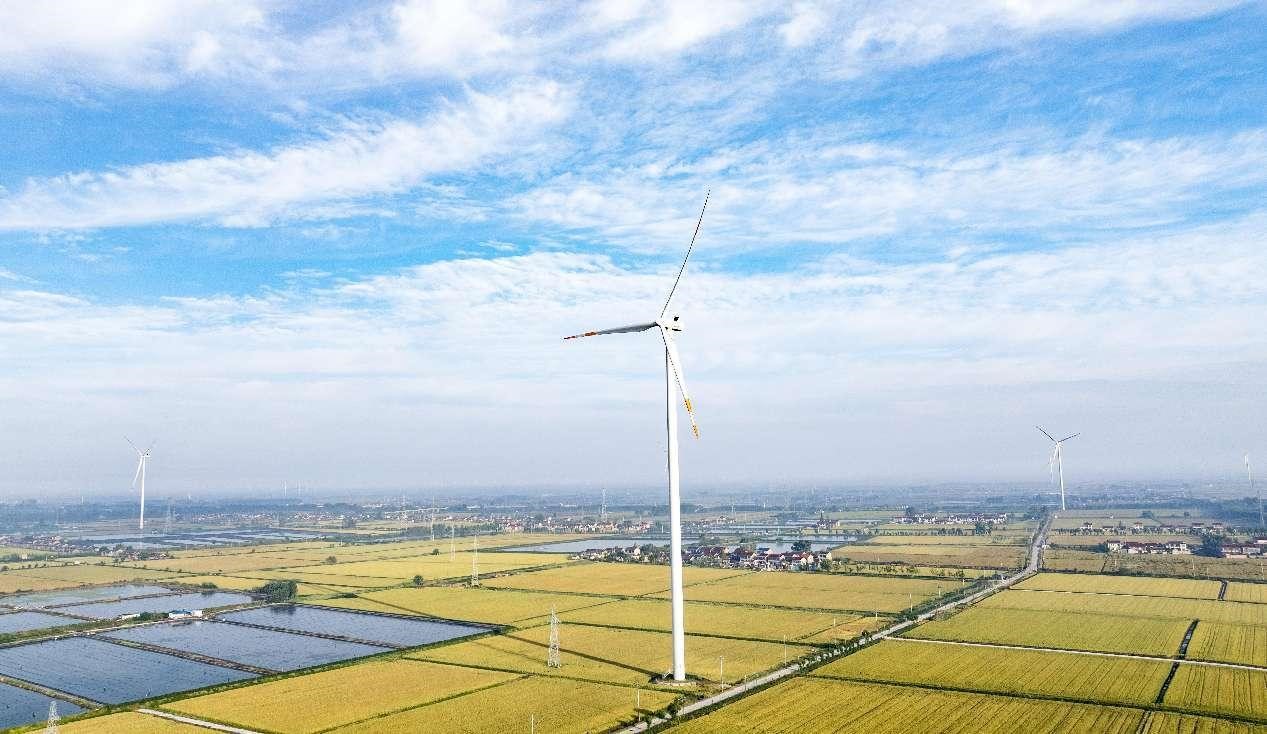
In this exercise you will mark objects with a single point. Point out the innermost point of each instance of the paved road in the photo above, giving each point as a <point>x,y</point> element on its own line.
<point>1035,559</point>
<point>197,722</point>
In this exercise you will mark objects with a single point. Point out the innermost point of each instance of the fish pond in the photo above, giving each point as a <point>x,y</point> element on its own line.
<point>103,671</point>
<point>394,631</point>
<point>42,599</point>
<point>260,648</point>
<point>27,621</point>
<point>19,706</point>
<point>157,604</point>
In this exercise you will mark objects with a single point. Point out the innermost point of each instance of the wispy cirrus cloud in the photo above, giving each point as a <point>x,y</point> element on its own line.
<point>250,188</point>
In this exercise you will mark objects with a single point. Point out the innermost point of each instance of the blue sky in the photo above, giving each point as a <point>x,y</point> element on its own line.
<point>332,244</point>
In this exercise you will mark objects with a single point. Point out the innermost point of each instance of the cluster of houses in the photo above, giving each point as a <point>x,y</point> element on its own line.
<point>1256,548</point>
<point>1170,547</point>
<point>715,556</point>
<point>1138,527</point>
<point>952,519</point>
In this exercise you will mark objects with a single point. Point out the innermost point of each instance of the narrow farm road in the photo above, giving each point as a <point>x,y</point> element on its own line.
<point>1031,567</point>
<point>1185,661</point>
<point>197,722</point>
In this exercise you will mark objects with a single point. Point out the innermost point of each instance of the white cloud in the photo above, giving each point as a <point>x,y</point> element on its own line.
<point>252,188</point>
<point>435,368</point>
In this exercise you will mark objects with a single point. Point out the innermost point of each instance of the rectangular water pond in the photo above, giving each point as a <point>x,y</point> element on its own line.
<point>158,604</point>
<point>395,631</point>
<point>27,621</point>
<point>109,673</point>
<point>42,599</point>
<point>19,706</point>
<point>247,645</point>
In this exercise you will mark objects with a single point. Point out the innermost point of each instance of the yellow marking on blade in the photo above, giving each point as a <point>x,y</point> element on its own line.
<point>695,430</point>
<point>688,405</point>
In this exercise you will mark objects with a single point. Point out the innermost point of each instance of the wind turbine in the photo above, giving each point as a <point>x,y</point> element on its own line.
<point>673,381</point>
<point>1056,463</point>
<point>1250,471</point>
<point>143,458</point>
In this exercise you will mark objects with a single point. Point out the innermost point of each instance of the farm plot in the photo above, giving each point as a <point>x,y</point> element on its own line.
<point>1061,630</point>
<point>438,566</point>
<point>1040,673</point>
<point>1164,722</point>
<point>635,655</point>
<point>1135,585</point>
<point>24,554</point>
<point>223,563</point>
<point>981,556</point>
<point>1189,566</point>
<point>320,701</point>
<point>554,705</point>
<point>713,619</point>
<point>1072,560</point>
<point>93,574</point>
<point>128,722</point>
<point>822,706</point>
<point>612,579</point>
<point>12,583</point>
<point>1214,690</point>
<point>961,540</point>
<point>820,591</point>
<point>109,673</point>
<point>494,606</point>
<point>1156,607</point>
<point>343,583</point>
<point>1256,593</point>
<point>1229,643</point>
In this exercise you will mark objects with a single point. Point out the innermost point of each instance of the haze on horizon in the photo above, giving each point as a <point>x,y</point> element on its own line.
<point>295,242</point>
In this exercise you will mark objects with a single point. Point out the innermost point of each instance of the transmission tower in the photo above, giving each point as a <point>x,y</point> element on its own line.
<point>475,561</point>
<point>167,524</point>
<point>53,718</point>
<point>552,657</point>
<point>453,543</point>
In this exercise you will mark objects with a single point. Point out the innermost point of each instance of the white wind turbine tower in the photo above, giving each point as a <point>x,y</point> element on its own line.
<point>673,381</point>
<point>1056,462</point>
<point>1250,471</point>
<point>143,458</point>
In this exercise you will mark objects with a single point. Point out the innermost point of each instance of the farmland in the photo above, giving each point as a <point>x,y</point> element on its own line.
<point>552,705</point>
<point>129,722</point>
<point>320,701</point>
<point>1256,593</point>
<point>496,606</point>
<point>1024,672</point>
<point>1062,630</point>
<point>823,706</point>
<point>820,591</point>
<point>1220,691</point>
<point>1164,722</point>
<point>718,619</point>
<point>613,579</point>
<point>1143,586</point>
<point>1156,607</point>
<point>1073,560</point>
<point>1229,643</point>
<point>975,556</point>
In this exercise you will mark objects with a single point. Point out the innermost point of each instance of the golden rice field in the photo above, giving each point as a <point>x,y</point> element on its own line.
<point>612,579</point>
<point>1157,607</point>
<point>441,566</point>
<point>1062,630</point>
<point>964,540</point>
<point>10,550</point>
<point>1249,569</point>
<point>1229,643</point>
<point>128,722</point>
<point>1215,690</point>
<point>823,706</point>
<point>1165,722</point>
<point>227,563</point>
<point>94,574</point>
<point>1092,678</point>
<point>323,579</point>
<point>495,606</point>
<point>901,569</point>
<point>319,701</point>
<point>551,705</point>
<point>636,654</point>
<point>820,591</point>
<point>983,556</point>
<point>1256,593</point>
<point>1138,585</point>
<point>12,583</point>
<point>1055,559</point>
<point>240,583</point>
<point>713,619</point>
<point>278,549</point>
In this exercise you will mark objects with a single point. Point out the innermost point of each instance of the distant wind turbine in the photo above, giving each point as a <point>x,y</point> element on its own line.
<point>143,458</point>
<point>672,377</point>
<point>1056,462</point>
<point>1250,471</point>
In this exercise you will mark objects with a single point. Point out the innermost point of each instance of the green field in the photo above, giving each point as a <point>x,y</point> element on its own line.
<point>823,706</point>
<point>1063,630</point>
<point>1256,593</point>
<point>1163,722</point>
<point>1091,678</point>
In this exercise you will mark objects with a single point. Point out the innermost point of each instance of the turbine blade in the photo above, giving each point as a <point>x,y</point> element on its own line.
<point>137,476</point>
<point>618,330</point>
<point>689,248</point>
<point>151,448</point>
<point>1045,433</point>
<point>134,448</point>
<point>1066,438</point>
<point>675,363</point>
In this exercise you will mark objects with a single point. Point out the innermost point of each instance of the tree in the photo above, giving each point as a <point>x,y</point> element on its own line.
<point>279,590</point>
<point>1212,546</point>
<point>800,546</point>
<point>417,581</point>
<point>435,551</point>
<point>330,560</point>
